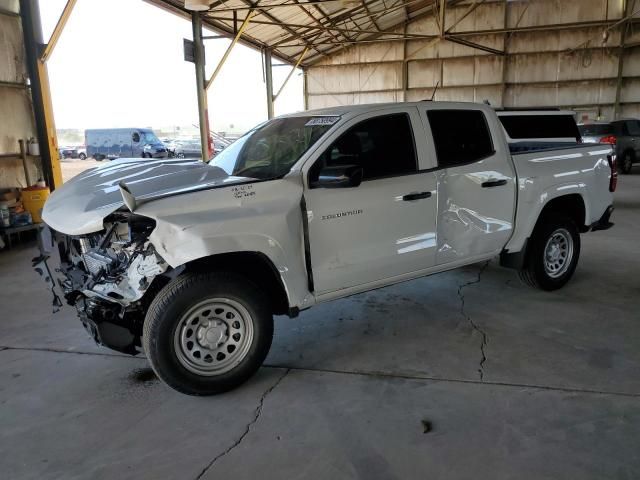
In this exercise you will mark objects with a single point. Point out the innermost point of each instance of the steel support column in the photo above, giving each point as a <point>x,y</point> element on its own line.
<point>40,92</point>
<point>269,81</point>
<point>229,48</point>
<point>617,108</point>
<point>57,31</point>
<point>293,69</point>
<point>305,88</point>
<point>203,109</point>
<point>505,59</point>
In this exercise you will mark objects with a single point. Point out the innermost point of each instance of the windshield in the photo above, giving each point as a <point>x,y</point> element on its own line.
<point>595,129</point>
<point>271,149</point>
<point>150,137</point>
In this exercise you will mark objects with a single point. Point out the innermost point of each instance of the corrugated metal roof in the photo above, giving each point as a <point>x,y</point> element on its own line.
<point>323,27</point>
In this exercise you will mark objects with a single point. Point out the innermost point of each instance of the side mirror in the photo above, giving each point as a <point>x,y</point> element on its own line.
<point>339,176</point>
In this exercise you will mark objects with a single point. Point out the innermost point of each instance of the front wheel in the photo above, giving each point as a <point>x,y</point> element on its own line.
<point>206,333</point>
<point>553,254</point>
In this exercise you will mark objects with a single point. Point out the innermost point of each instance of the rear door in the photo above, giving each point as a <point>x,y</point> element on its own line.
<point>633,130</point>
<point>476,183</point>
<point>386,226</point>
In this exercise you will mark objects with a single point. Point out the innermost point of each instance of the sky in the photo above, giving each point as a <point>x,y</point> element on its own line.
<point>120,64</point>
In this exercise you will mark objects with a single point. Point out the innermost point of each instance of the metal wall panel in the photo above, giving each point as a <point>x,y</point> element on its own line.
<point>572,67</point>
<point>16,113</point>
<point>355,78</point>
<point>632,62</point>
<point>12,62</point>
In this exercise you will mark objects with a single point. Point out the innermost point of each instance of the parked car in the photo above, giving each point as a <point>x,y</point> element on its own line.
<point>623,134</point>
<point>73,152</point>
<point>112,143</point>
<point>170,145</point>
<point>188,149</point>
<point>191,260</point>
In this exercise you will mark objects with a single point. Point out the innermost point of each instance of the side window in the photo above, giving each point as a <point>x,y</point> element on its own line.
<point>135,137</point>
<point>383,146</point>
<point>633,128</point>
<point>619,128</point>
<point>460,136</point>
<point>539,126</point>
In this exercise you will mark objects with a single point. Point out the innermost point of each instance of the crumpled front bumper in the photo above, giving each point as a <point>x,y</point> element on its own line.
<point>41,266</point>
<point>104,321</point>
<point>104,325</point>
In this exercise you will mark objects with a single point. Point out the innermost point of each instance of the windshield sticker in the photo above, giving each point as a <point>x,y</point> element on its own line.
<point>317,121</point>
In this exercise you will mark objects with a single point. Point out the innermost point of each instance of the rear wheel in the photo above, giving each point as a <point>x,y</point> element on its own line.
<point>553,254</point>
<point>627,163</point>
<point>206,333</point>
<point>82,156</point>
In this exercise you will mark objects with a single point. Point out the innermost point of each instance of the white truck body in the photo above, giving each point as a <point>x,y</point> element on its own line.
<point>322,243</point>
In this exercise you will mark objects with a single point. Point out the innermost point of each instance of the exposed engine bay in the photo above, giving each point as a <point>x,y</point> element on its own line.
<point>108,277</point>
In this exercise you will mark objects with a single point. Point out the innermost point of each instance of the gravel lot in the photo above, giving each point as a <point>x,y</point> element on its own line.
<point>71,168</point>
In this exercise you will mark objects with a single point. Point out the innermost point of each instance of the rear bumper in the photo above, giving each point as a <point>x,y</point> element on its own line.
<point>604,222</point>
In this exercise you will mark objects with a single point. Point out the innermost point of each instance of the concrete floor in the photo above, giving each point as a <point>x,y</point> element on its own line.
<point>467,374</point>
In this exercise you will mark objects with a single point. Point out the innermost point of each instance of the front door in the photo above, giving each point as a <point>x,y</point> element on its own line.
<point>476,184</point>
<point>384,227</point>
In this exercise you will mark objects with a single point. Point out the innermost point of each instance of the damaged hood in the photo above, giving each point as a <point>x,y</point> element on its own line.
<point>80,205</point>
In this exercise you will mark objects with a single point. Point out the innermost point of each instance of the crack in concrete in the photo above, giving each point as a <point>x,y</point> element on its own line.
<point>483,334</point>
<point>247,429</point>
<point>405,376</point>
<point>72,352</point>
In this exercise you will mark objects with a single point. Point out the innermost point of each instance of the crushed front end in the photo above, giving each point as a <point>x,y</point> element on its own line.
<point>111,277</point>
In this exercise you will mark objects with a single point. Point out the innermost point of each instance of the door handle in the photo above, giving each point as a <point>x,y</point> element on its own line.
<point>494,183</point>
<point>416,196</point>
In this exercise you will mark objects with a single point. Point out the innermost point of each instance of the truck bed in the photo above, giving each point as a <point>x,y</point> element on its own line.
<point>518,148</point>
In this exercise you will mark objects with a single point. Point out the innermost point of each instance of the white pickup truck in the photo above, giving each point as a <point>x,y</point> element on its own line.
<point>190,261</point>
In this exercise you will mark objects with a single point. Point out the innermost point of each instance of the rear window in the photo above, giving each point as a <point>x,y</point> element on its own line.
<point>633,127</point>
<point>595,130</point>
<point>460,136</point>
<point>540,126</point>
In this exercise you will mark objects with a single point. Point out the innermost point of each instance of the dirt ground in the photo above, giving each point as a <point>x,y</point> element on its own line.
<point>71,168</point>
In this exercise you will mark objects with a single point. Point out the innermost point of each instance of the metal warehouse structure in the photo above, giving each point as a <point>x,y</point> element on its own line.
<point>576,54</point>
<point>579,54</point>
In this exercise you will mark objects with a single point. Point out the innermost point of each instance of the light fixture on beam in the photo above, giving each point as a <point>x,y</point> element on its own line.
<point>197,5</point>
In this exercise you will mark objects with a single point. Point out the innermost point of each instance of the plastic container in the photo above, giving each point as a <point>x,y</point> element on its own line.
<point>5,220</point>
<point>33,199</point>
<point>33,147</point>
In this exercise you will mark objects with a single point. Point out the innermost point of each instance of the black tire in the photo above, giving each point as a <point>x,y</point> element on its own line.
<point>165,316</point>
<point>82,156</point>
<point>626,163</point>
<point>534,272</point>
